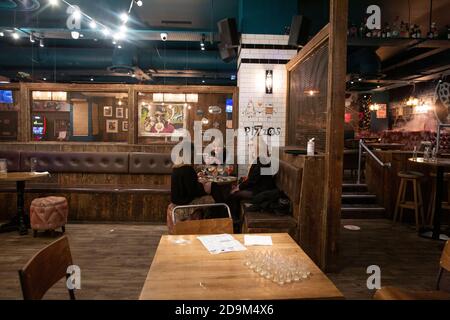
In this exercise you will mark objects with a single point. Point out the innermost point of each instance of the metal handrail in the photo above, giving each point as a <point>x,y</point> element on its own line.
<point>207,205</point>
<point>381,163</point>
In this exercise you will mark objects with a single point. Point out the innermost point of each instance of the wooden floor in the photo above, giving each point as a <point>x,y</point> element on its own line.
<point>114,259</point>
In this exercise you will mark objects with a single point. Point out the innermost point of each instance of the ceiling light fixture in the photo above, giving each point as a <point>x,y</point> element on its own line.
<point>93,24</point>
<point>202,43</point>
<point>41,43</point>
<point>32,39</point>
<point>139,3</point>
<point>75,35</point>
<point>15,36</point>
<point>2,34</point>
<point>53,2</point>
<point>124,17</point>
<point>106,31</point>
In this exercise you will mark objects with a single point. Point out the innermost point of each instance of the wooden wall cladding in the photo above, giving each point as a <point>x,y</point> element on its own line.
<point>101,207</point>
<point>308,113</point>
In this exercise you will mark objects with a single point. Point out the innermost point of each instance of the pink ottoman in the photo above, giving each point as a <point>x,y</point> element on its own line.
<point>48,213</point>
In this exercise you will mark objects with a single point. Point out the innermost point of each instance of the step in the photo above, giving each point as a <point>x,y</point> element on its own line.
<point>359,197</point>
<point>354,187</point>
<point>362,211</point>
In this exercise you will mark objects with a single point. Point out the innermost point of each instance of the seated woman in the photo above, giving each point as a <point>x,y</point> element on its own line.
<point>186,189</point>
<point>253,185</point>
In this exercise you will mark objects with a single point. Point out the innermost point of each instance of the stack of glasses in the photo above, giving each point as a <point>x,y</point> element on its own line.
<point>276,267</point>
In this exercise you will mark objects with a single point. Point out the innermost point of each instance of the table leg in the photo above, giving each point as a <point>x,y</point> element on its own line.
<point>438,206</point>
<point>20,207</point>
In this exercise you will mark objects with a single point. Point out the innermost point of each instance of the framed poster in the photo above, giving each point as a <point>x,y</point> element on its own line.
<point>126,113</point>
<point>119,112</point>
<point>112,126</point>
<point>107,111</point>
<point>381,112</point>
<point>159,120</point>
<point>125,126</point>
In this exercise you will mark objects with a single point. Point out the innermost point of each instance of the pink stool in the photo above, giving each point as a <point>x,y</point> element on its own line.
<point>48,213</point>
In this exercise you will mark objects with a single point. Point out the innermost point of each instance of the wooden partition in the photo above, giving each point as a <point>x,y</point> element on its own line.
<point>327,114</point>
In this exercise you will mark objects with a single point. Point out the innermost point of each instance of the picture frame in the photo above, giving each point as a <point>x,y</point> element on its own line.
<point>107,111</point>
<point>126,113</point>
<point>160,120</point>
<point>125,126</point>
<point>119,112</point>
<point>112,126</point>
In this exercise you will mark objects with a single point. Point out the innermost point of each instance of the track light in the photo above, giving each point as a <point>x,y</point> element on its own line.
<point>2,34</point>
<point>41,43</point>
<point>139,3</point>
<point>15,36</point>
<point>75,35</point>
<point>124,17</point>
<point>32,39</point>
<point>93,24</point>
<point>92,79</point>
<point>202,43</point>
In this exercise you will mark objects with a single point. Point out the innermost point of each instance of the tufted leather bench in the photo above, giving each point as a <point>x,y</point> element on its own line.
<point>289,180</point>
<point>150,163</point>
<point>83,162</point>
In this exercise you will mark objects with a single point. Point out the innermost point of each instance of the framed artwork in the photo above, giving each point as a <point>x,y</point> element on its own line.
<point>126,113</point>
<point>112,126</point>
<point>381,112</point>
<point>158,120</point>
<point>125,126</point>
<point>119,112</point>
<point>107,111</point>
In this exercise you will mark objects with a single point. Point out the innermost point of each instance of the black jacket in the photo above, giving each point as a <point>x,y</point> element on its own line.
<point>256,182</point>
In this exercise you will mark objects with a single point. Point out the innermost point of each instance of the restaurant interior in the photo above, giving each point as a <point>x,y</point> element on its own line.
<point>104,105</point>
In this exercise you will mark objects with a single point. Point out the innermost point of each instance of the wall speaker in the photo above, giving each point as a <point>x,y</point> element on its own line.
<point>228,32</point>
<point>227,54</point>
<point>299,33</point>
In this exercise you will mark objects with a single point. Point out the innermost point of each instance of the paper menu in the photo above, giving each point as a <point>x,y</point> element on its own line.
<point>257,240</point>
<point>220,243</point>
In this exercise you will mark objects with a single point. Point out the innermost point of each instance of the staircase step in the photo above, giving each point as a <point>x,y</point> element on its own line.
<point>354,187</point>
<point>362,211</point>
<point>359,197</point>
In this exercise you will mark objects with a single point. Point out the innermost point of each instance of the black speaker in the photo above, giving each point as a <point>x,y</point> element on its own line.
<point>227,54</point>
<point>299,33</point>
<point>228,32</point>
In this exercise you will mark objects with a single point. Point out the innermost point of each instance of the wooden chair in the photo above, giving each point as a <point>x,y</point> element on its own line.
<point>203,226</point>
<point>393,293</point>
<point>46,268</point>
<point>417,203</point>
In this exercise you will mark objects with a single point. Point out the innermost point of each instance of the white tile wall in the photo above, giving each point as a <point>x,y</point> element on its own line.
<point>251,83</point>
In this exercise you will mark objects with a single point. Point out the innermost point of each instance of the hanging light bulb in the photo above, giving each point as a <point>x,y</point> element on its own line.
<point>139,3</point>
<point>124,17</point>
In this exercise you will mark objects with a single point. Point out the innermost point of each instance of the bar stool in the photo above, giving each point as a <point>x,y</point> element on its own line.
<point>432,205</point>
<point>417,203</point>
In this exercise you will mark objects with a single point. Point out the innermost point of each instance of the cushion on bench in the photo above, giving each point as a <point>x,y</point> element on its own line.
<point>150,163</point>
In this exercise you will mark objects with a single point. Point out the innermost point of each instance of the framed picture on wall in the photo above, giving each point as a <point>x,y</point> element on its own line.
<point>112,126</point>
<point>158,120</point>
<point>107,111</point>
<point>125,126</point>
<point>119,112</point>
<point>126,113</point>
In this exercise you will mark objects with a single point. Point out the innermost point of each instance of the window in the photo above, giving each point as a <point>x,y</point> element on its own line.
<point>9,114</point>
<point>79,116</point>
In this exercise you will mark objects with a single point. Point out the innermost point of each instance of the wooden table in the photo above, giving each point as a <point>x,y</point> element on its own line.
<point>18,222</point>
<point>440,164</point>
<point>189,272</point>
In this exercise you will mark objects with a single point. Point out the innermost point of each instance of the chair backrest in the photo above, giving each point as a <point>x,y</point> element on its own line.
<point>46,268</point>
<point>202,226</point>
<point>445,257</point>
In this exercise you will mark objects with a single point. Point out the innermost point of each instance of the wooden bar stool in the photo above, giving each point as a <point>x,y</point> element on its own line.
<point>417,203</point>
<point>432,204</point>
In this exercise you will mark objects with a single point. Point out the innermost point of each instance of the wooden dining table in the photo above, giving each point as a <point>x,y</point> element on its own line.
<point>183,269</point>
<point>18,222</point>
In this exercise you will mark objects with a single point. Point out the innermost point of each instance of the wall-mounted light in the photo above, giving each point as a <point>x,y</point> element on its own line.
<point>269,81</point>
<point>311,92</point>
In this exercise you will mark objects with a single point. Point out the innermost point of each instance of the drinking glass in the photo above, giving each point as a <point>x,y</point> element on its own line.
<point>33,164</point>
<point>3,167</point>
